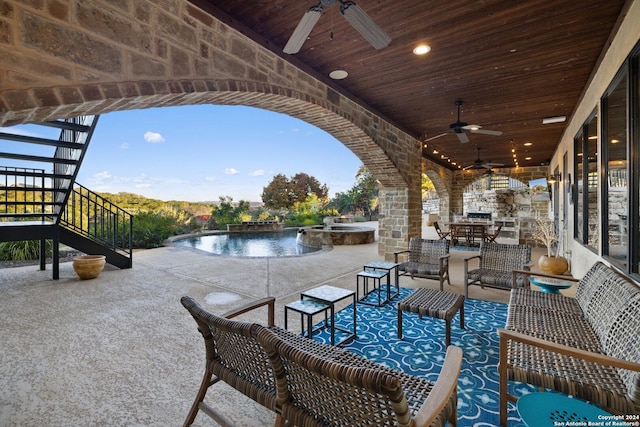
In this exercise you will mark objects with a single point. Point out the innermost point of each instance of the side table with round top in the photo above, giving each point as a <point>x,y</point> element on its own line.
<point>547,409</point>
<point>550,285</point>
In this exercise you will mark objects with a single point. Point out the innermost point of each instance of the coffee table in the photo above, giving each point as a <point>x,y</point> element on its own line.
<point>330,295</point>
<point>550,285</point>
<point>556,409</point>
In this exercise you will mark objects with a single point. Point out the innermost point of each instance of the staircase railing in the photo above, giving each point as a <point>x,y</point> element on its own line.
<point>96,218</point>
<point>26,194</point>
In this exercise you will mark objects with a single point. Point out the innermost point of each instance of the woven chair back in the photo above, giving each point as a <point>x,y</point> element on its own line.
<point>233,352</point>
<point>316,391</point>
<point>427,251</point>
<point>504,257</point>
<point>611,304</point>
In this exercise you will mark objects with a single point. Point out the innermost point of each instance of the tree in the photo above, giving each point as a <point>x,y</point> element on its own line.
<point>277,194</point>
<point>284,193</point>
<point>304,185</point>
<point>226,213</point>
<point>365,192</point>
<point>362,198</point>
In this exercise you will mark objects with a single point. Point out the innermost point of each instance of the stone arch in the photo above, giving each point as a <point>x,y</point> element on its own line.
<point>441,179</point>
<point>95,57</point>
<point>461,179</point>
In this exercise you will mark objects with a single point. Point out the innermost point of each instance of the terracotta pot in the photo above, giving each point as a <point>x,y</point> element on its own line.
<point>89,266</point>
<point>553,265</point>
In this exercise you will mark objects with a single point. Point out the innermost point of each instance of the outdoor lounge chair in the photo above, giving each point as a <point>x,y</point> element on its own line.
<point>308,383</point>
<point>428,259</point>
<point>496,263</point>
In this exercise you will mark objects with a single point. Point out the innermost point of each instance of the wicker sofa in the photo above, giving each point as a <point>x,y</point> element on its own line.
<point>585,346</point>
<point>307,383</point>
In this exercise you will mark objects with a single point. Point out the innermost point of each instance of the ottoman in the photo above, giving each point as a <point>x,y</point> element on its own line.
<point>434,303</point>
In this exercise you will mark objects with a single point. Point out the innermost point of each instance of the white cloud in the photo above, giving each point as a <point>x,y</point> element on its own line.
<point>231,171</point>
<point>153,137</point>
<point>124,146</point>
<point>143,185</point>
<point>209,178</point>
<point>102,176</point>
<point>258,172</point>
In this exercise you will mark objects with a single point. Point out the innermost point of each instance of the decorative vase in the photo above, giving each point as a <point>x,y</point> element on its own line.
<point>553,264</point>
<point>89,266</point>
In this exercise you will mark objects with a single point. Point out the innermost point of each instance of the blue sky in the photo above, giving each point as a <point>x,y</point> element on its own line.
<point>200,153</point>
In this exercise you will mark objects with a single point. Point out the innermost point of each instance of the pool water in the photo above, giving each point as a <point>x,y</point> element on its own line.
<point>263,244</point>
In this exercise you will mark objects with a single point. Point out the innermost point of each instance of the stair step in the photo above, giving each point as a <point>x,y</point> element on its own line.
<point>37,158</point>
<point>33,202</point>
<point>26,215</point>
<point>40,141</point>
<point>35,174</point>
<point>66,125</point>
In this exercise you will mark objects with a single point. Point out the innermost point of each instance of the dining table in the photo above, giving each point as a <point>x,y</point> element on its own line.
<point>470,232</point>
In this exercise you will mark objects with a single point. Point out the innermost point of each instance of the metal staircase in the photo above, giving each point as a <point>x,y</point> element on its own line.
<point>39,199</point>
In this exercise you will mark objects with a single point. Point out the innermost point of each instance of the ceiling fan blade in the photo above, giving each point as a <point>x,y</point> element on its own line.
<point>436,137</point>
<point>493,165</point>
<point>363,24</point>
<point>462,137</point>
<point>303,30</point>
<point>486,132</point>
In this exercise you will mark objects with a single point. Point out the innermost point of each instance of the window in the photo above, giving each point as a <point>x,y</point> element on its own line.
<point>620,165</point>
<point>615,190</point>
<point>587,219</point>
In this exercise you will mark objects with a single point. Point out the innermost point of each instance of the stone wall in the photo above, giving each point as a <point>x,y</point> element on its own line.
<point>63,59</point>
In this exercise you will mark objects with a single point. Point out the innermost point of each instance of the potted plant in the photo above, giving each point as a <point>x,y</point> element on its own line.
<point>545,233</point>
<point>88,266</point>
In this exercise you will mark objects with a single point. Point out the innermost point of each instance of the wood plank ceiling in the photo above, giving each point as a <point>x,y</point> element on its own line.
<point>512,63</point>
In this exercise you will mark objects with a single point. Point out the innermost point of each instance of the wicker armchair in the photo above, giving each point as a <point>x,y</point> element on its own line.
<point>496,262</point>
<point>233,356</point>
<point>308,383</point>
<point>428,259</point>
<point>314,390</point>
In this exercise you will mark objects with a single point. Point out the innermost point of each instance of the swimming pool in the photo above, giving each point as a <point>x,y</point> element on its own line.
<point>262,244</point>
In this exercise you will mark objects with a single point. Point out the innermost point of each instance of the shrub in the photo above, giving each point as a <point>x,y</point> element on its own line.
<point>150,230</point>
<point>23,250</point>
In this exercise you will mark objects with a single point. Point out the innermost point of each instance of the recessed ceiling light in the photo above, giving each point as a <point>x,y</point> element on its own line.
<point>527,158</point>
<point>528,144</point>
<point>615,141</point>
<point>338,74</point>
<point>422,49</point>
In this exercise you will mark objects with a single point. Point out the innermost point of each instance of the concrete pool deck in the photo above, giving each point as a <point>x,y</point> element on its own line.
<point>120,350</point>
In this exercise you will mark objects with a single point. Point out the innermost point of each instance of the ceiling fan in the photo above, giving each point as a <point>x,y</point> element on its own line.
<point>481,164</point>
<point>357,17</point>
<point>459,128</point>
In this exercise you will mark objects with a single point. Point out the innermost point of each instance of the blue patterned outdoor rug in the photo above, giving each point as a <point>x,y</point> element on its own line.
<point>422,349</point>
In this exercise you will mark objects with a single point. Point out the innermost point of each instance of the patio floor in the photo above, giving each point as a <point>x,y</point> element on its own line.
<point>120,350</point>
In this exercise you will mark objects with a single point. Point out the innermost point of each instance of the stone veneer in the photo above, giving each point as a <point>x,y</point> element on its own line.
<point>68,58</point>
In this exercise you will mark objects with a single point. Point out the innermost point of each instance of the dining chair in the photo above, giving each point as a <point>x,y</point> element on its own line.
<point>491,237</point>
<point>441,233</point>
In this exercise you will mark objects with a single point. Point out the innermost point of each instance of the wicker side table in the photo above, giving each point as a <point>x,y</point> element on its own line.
<point>433,303</point>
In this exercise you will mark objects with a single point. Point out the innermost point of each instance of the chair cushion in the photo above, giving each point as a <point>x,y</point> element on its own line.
<point>420,269</point>
<point>501,279</point>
